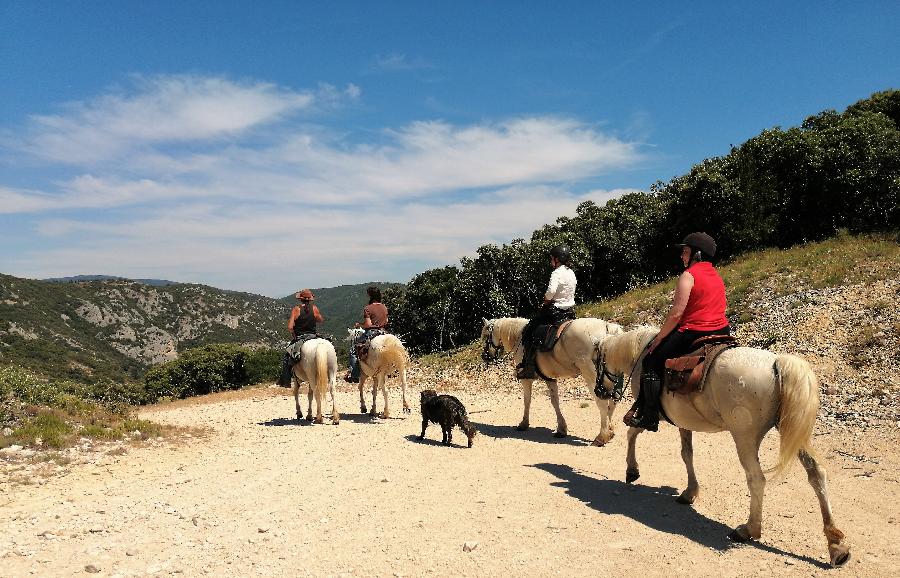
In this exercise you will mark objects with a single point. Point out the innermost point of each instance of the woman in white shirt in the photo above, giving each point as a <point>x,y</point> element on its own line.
<point>558,306</point>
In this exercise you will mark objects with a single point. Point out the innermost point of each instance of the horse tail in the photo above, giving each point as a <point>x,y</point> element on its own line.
<point>321,370</point>
<point>799,406</point>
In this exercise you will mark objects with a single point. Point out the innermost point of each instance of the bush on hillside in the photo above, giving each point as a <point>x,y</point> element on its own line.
<point>198,371</point>
<point>263,365</point>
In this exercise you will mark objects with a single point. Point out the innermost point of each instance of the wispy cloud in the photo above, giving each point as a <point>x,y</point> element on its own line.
<point>239,201</point>
<point>165,109</point>
<point>399,62</point>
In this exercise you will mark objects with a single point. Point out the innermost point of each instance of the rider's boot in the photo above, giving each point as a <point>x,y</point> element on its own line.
<point>528,368</point>
<point>284,380</point>
<point>648,413</point>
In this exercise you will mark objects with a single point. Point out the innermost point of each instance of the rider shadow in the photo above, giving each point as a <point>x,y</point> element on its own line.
<point>655,508</point>
<point>533,434</point>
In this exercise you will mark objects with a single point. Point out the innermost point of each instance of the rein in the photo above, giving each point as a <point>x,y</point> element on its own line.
<point>618,381</point>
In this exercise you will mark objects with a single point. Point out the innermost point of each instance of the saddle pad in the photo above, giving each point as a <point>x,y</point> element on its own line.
<point>687,374</point>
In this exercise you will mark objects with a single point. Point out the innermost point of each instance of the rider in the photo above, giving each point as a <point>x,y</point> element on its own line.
<point>302,324</point>
<point>375,317</point>
<point>558,306</point>
<point>698,310</point>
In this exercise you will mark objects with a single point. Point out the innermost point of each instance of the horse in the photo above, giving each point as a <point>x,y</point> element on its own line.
<point>747,392</point>
<point>387,356</point>
<point>572,356</point>
<point>318,367</point>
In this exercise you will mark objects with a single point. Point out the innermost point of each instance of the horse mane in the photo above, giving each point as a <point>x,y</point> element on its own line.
<point>624,349</point>
<point>509,330</point>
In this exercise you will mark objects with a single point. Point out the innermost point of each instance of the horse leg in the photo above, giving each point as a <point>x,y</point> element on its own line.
<point>838,550</point>
<point>309,395</point>
<point>687,454</point>
<point>526,395</point>
<point>632,471</point>
<point>748,453</point>
<point>296,389</point>
<point>406,408</point>
<point>362,401</point>
<point>607,407</point>
<point>320,401</point>
<point>375,379</point>
<point>335,414</point>
<point>384,392</point>
<point>562,430</point>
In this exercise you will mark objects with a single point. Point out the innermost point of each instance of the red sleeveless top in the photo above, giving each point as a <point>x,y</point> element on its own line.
<point>705,309</point>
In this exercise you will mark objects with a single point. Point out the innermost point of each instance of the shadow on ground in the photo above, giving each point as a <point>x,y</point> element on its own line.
<point>453,445</point>
<point>654,507</point>
<point>533,434</point>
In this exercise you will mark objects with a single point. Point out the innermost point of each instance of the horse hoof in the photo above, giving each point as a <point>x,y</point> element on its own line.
<point>362,409</point>
<point>335,419</point>
<point>840,554</point>
<point>560,434</point>
<point>631,475</point>
<point>319,420</point>
<point>522,427</point>
<point>309,417</point>
<point>739,534</point>
<point>685,498</point>
<point>407,410</point>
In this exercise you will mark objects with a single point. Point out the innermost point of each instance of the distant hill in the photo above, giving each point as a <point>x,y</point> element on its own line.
<point>116,328</point>
<point>97,326</point>
<point>82,278</point>
<point>342,306</point>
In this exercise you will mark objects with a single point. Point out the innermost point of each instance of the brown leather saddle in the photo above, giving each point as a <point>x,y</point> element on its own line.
<point>546,336</point>
<point>687,374</point>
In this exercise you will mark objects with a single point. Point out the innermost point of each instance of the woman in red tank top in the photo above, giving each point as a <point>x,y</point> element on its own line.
<point>698,310</point>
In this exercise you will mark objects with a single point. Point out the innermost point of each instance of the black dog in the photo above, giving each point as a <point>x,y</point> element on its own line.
<point>447,411</point>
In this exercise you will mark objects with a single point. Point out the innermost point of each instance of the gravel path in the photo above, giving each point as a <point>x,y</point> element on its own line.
<point>260,494</point>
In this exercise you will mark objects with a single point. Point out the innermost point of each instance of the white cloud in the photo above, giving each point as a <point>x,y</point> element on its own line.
<point>163,109</point>
<point>399,62</point>
<point>214,181</point>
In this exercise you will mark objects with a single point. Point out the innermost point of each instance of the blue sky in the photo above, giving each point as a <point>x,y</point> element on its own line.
<point>267,146</point>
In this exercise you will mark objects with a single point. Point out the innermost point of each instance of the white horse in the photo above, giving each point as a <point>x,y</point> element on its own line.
<point>387,357</point>
<point>572,356</point>
<point>747,392</point>
<point>318,367</point>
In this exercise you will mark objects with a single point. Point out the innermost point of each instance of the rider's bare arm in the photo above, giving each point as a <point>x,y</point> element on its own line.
<point>679,302</point>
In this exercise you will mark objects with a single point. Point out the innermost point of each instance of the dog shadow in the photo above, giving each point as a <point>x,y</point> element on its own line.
<point>533,434</point>
<point>655,508</point>
<point>430,442</point>
<point>285,421</point>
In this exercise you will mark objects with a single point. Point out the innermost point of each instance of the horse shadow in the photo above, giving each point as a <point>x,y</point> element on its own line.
<point>655,508</point>
<point>533,434</point>
<point>285,421</point>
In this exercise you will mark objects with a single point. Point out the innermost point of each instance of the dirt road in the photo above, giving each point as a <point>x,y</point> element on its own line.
<point>261,494</point>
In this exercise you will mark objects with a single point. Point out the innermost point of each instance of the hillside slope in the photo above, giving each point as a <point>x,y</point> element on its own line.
<point>836,303</point>
<point>116,328</point>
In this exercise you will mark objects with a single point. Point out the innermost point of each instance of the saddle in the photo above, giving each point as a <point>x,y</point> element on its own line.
<point>362,347</point>
<point>296,344</point>
<point>546,336</point>
<point>687,374</point>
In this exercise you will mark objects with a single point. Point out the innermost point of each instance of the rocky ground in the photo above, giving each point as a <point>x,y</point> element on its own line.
<point>254,492</point>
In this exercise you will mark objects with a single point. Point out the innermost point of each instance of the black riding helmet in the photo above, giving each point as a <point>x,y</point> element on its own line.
<point>561,252</point>
<point>699,242</point>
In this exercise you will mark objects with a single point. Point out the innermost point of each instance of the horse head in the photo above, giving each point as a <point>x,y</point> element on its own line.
<point>353,333</point>
<point>492,350</point>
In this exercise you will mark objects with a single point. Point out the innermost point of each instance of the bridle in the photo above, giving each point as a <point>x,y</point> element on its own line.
<point>617,380</point>
<point>486,354</point>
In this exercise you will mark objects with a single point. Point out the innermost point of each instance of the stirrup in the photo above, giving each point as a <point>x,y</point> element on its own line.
<point>526,372</point>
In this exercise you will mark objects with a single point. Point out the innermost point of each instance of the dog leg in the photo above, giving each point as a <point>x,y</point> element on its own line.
<point>424,425</point>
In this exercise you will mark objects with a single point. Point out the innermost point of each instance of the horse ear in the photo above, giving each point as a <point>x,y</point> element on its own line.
<point>485,319</point>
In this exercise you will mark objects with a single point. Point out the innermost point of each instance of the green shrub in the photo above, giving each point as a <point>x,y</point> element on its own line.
<point>263,365</point>
<point>198,371</point>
